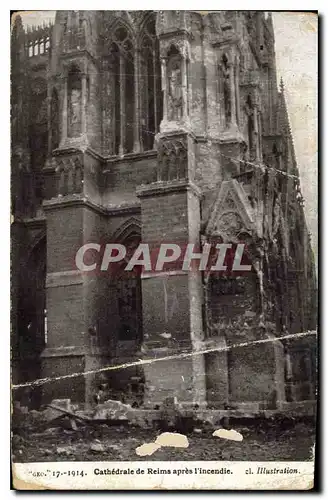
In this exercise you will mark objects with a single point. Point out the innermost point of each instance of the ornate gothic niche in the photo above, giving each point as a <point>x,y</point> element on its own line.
<point>231,214</point>
<point>225,77</point>
<point>74,98</point>
<point>252,126</point>
<point>174,84</point>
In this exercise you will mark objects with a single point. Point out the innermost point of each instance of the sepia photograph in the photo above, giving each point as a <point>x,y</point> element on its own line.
<point>164,249</point>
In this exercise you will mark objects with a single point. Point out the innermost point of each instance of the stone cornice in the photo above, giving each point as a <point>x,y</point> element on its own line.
<point>80,200</point>
<point>72,200</point>
<point>32,222</point>
<point>165,187</point>
<point>129,157</point>
<point>172,33</point>
<point>64,278</point>
<point>131,208</point>
<point>105,160</point>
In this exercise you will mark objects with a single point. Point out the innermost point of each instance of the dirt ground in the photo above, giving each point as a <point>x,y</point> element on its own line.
<point>102,442</point>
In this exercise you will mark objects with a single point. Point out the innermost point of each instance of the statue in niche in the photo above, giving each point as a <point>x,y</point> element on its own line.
<point>175,90</point>
<point>226,89</point>
<point>75,111</point>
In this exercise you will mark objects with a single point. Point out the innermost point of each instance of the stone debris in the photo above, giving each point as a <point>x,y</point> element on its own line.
<point>228,434</point>
<point>97,447</point>
<point>63,450</point>
<point>113,410</point>
<point>172,439</point>
<point>56,409</point>
<point>51,431</point>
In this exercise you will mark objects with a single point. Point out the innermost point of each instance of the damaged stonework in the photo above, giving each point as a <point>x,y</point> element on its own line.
<point>149,128</point>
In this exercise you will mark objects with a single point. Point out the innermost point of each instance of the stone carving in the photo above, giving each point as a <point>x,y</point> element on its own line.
<point>75,106</point>
<point>137,16</point>
<point>170,21</point>
<point>74,103</point>
<point>230,225</point>
<point>70,176</point>
<point>229,202</point>
<point>172,159</point>
<point>175,89</point>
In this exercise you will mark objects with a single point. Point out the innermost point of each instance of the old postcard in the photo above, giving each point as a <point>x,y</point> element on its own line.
<point>164,250</point>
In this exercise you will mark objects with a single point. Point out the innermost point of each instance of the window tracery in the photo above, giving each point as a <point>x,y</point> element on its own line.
<point>136,96</point>
<point>151,94</point>
<point>122,59</point>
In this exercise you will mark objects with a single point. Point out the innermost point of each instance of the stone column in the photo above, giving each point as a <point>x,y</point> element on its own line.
<point>122,105</point>
<point>64,112</point>
<point>232,95</point>
<point>84,105</point>
<point>156,111</point>
<point>136,123</point>
<point>184,88</point>
<point>76,301</point>
<point>172,298</point>
<point>256,132</point>
<point>237,97</point>
<point>164,86</point>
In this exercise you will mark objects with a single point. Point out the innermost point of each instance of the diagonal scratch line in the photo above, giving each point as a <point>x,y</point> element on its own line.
<point>235,160</point>
<point>42,381</point>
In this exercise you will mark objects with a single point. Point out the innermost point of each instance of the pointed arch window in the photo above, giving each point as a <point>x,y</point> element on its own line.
<point>123,83</point>
<point>151,95</point>
<point>128,293</point>
<point>137,107</point>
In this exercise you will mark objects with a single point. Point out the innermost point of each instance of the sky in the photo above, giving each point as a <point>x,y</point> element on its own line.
<point>296,37</point>
<point>296,42</point>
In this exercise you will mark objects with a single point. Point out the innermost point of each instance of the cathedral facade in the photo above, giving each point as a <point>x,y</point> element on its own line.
<point>168,126</point>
